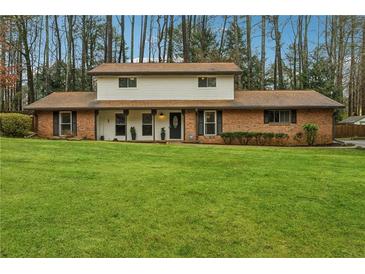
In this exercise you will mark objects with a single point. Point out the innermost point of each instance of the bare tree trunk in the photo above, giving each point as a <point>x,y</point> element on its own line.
<point>166,19</point>
<point>46,57</point>
<point>84,39</point>
<point>351,83</point>
<point>185,40</point>
<point>300,51</point>
<point>305,52</point>
<point>263,51</point>
<point>150,39</point>
<point>69,52</point>
<point>58,37</point>
<point>142,38</point>
<point>21,23</point>
<point>362,85</point>
<point>221,44</point>
<point>248,41</point>
<point>132,37</point>
<point>109,33</point>
<point>171,44</point>
<point>122,55</point>
<point>278,52</point>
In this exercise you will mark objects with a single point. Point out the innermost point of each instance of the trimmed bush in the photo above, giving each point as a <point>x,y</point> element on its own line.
<point>310,131</point>
<point>260,138</point>
<point>15,124</point>
<point>227,137</point>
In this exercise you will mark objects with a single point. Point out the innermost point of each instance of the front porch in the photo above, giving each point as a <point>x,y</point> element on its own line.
<point>116,124</point>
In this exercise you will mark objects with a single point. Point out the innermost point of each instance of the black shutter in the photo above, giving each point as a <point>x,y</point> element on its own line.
<point>74,123</point>
<point>266,116</point>
<point>294,116</point>
<point>219,122</point>
<point>200,122</point>
<point>56,123</point>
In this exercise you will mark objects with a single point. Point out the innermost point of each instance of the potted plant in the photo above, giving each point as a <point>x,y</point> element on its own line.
<point>163,133</point>
<point>133,133</point>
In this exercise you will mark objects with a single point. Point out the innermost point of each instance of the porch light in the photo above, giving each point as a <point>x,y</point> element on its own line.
<point>161,115</point>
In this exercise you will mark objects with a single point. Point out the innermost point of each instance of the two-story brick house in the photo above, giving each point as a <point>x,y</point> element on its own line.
<point>193,102</point>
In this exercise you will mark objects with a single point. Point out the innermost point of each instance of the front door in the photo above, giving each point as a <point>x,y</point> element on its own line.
<point>175,125</point>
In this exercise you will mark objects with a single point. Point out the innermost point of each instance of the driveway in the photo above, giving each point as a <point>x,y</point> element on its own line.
<point>359,143</point>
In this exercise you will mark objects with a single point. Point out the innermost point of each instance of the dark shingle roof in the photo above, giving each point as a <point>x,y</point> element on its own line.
<point>298,99</point>
<point>164,68</point>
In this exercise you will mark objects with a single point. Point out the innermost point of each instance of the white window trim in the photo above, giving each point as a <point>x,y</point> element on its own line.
<point>128,77</point>
<point>215,122</point>
<point>208,76</point>
<point>60,122</point>
<point>115,123</point>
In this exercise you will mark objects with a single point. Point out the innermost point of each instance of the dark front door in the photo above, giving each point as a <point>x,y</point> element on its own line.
<point>175,125</point>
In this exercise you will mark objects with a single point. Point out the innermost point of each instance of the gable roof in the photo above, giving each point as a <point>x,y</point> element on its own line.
<point>164,68</point>
<point>352,119</point>
<point>298,99</point>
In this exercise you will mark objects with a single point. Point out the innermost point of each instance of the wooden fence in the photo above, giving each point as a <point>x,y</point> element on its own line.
<point>346,130</point>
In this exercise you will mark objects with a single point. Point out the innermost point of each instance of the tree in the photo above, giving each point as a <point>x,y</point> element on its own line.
<point>171,42</point>
<point>248,42</point>
<point>186,42</point>
<point>132,38</point>
<point>22,25</point>
<point>278,61</point>
<point>142,38</point>
<point>362,85</point>
<point>263,51</point>
<point>109,34</point>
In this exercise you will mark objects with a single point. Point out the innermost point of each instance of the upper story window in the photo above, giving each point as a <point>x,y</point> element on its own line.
<point>207,82</point>
<point>128,82</point>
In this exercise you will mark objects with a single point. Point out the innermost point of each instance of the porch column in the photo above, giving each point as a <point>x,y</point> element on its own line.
<point>126,112</point>
<point>153,111</point>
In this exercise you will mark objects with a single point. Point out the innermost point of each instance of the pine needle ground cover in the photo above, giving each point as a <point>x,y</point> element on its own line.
<point>106,199</point>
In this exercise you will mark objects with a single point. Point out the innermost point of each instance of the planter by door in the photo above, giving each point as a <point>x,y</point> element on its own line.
<point>175,125</point>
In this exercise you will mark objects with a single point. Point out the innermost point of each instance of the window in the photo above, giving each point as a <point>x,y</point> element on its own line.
<point>210,124</point>
<point>119,124</point>
<point>207,82</point>
<point>146,124</point>
<point>128,82</point>
<point>65,123</point>
<point>278,116</point>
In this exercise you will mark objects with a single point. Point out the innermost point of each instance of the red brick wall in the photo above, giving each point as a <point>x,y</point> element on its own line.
<point>190,125</point>
<point>85,124</point>
<point>253,120</point>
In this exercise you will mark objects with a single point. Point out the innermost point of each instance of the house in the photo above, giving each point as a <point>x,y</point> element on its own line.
<point>193,102</point>
<point>354,120</point>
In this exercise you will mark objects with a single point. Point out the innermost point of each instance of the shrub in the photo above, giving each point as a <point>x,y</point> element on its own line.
<point>298,136</point>
<point>280,137</point>
<point>15,124</point>
<point>310,131</point>
<point>241,137</point>
<point>268,136</point>
<point>227,137</point>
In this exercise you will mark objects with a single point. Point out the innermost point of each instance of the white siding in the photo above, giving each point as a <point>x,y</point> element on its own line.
<point>106,124</point>
<point>165,88</point>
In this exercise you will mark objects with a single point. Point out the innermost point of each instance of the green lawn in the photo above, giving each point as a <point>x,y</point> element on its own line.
<point>105,199</point>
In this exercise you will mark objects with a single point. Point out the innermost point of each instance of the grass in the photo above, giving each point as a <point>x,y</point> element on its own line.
<point>104,199</point>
